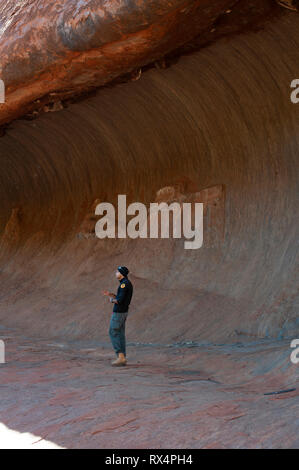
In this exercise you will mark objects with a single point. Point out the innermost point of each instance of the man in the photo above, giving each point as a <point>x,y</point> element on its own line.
<point>121,303</point>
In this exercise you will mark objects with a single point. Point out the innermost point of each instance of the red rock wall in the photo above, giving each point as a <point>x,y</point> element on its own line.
<point>221,117</point>
<point>67,46</point>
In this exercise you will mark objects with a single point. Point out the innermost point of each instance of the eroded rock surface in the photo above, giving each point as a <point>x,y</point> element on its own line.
<point>53,51</point>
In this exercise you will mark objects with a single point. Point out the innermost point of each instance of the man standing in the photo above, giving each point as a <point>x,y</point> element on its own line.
<point>121,303</point>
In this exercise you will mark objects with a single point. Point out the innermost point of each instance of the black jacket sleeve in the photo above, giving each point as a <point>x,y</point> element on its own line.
<point>121,294</point>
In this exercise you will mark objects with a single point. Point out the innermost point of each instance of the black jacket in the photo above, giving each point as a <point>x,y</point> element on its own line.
<point>123,296</point>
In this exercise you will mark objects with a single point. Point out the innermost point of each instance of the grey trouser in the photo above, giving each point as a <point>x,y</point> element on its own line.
<point>117,332</point>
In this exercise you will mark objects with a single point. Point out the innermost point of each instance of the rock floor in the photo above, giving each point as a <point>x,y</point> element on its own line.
<point>56,394</point>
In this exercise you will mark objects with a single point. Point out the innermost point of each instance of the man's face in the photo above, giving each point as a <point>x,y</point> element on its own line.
<point>118,275</point>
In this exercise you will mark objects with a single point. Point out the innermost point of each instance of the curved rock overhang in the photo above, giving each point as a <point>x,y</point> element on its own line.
<point>56,51</point>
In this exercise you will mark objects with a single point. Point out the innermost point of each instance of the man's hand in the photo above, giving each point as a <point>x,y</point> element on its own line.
<point>108,294</point>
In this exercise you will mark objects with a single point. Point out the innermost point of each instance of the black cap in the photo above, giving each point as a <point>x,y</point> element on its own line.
<point>123,270</point>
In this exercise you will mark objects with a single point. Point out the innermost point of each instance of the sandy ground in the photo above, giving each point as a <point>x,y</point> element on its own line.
<point>56,394</point>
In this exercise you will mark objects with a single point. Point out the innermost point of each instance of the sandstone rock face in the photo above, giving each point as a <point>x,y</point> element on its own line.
<point>218,127</point>
<point>290,4</point>
<point>68,46</point>
<point>209,329</point>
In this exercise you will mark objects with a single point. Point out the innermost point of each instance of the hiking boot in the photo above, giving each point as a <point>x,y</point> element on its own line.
<point>120,361</point>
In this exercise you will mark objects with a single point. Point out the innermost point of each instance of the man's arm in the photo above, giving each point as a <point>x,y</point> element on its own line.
<point>108,294</point>
<point>121,295</point>
<point>111,295</point>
